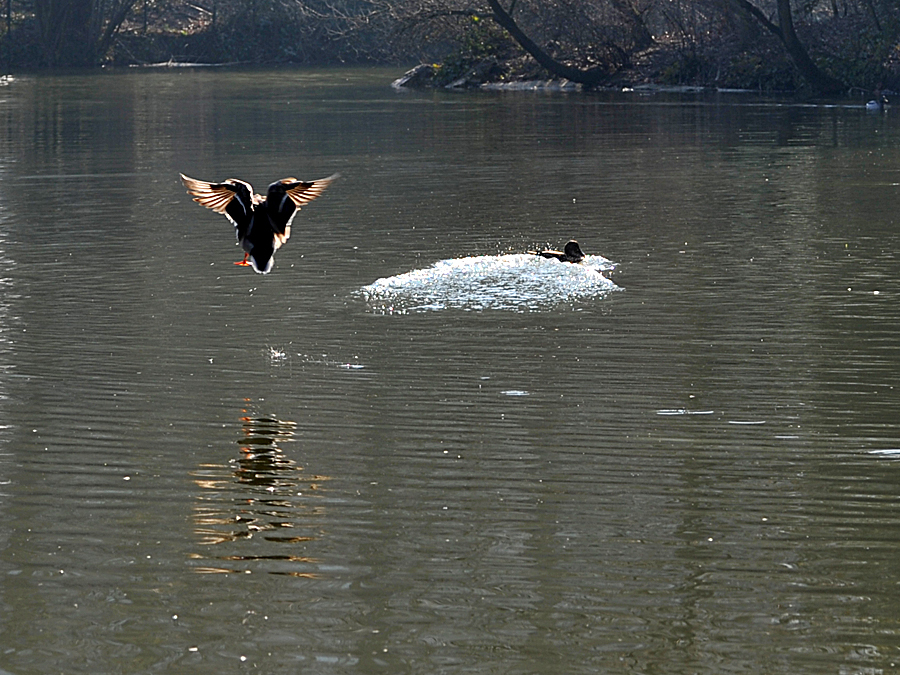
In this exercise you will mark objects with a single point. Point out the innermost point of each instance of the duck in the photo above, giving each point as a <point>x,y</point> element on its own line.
<point>262,224</point>
<point>879,102</point>
<point>571,253</point>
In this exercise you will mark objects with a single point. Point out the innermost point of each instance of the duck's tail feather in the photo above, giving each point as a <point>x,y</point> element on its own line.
<point>262,265</point>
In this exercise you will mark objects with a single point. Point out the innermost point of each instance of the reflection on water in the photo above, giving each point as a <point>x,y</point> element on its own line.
<point>262,494</point>
<point>513,282</point>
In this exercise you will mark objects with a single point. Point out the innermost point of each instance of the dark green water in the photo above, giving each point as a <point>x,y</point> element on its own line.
<point>203,470</point>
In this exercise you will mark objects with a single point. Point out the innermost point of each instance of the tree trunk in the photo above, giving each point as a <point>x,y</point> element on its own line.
<point>821,82</point>
<point>116,19</point>
<point>640,34</point>
<point>591,77</point>
<point>78,32</point>
<point>810,72</point>
<point>65,29</point>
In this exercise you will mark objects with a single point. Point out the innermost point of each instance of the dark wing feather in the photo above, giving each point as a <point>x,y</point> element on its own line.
<point>284,199</point>
<point>232,198</point>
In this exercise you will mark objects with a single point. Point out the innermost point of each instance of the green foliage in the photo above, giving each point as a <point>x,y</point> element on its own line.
<point>483,42</point>
<point>761,72</point>
<point>684,70</point>
<point>486,40</point>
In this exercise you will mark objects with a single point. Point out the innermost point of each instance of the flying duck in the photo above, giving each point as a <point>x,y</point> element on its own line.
<point>571,253</point>
<point>262,224</point>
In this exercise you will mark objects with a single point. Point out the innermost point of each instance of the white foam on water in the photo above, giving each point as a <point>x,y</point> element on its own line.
<point>893,453</point>
<point>513,282</point>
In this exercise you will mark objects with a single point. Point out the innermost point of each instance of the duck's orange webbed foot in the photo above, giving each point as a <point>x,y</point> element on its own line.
<point>244,263</point>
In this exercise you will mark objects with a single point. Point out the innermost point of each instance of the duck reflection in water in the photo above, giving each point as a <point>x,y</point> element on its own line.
<point>261,492</point>
<point>571,253</point>
<point>262,461</point>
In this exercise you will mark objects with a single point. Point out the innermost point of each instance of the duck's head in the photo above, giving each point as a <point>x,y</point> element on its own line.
<point>573,251</point>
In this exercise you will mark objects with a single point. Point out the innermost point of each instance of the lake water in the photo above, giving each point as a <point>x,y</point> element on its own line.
<point>410,448</point>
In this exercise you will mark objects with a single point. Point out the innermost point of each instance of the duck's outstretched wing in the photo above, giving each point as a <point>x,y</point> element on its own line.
<point>303,192</point>
<point>232,198</point>
<point>284,199</point>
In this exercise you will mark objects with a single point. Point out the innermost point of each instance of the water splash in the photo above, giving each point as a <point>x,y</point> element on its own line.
<point>323,360</point>
<point>275,354</point>
<point>516,282</point>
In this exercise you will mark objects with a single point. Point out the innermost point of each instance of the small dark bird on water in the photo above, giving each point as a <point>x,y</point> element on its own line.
<point>571,253</point>
<point>262,224</point>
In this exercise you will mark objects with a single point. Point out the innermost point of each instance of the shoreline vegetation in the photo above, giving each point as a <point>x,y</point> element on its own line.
<point>813,48</point>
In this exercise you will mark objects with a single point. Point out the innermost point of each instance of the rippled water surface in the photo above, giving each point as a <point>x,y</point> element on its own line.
<point>412,448</point>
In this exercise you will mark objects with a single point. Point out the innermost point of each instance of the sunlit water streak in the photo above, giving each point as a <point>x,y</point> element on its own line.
<point>513,282</point>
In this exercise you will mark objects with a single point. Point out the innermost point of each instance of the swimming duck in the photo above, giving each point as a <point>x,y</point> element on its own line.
<point>879,102</point>
<point>571,253</point>
<point>262,224</point>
